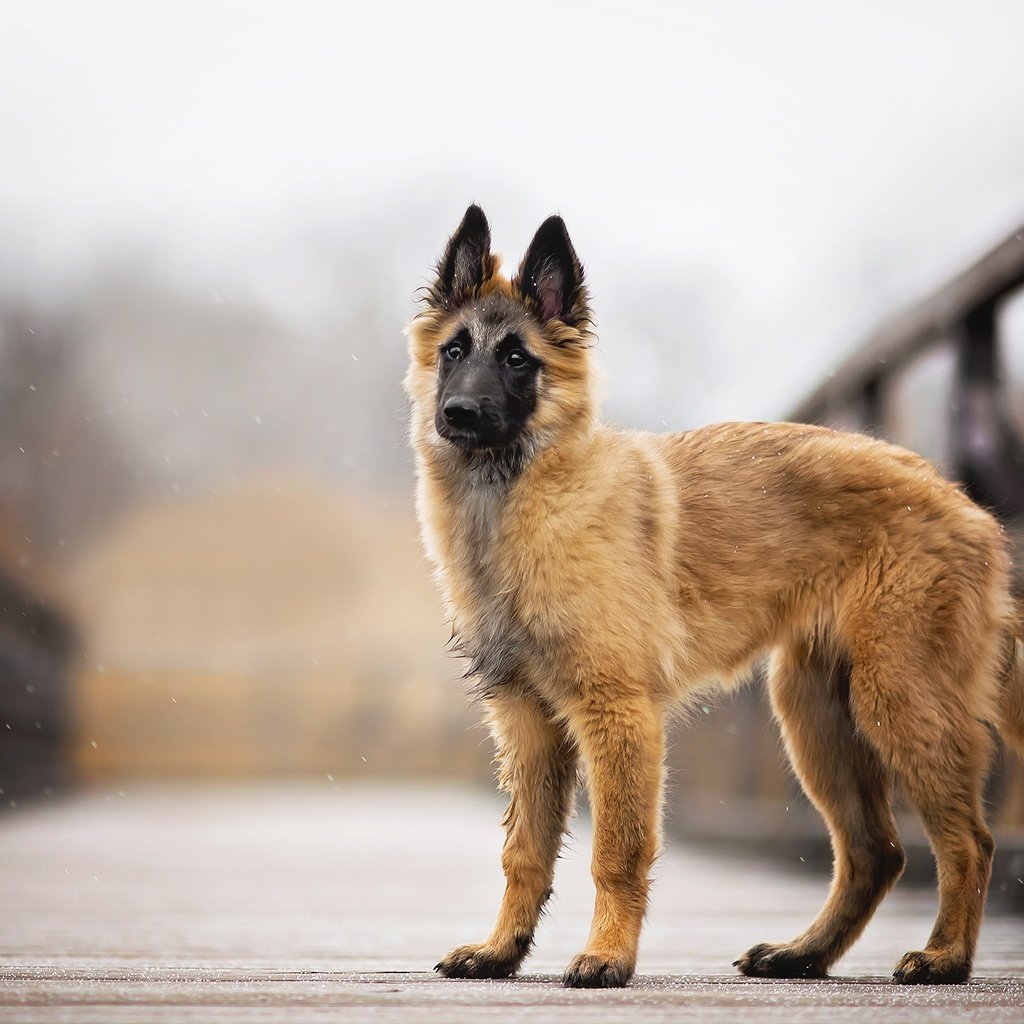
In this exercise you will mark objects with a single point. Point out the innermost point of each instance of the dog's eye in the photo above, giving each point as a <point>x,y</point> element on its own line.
<point>516,358</point>
<point>453,350</point>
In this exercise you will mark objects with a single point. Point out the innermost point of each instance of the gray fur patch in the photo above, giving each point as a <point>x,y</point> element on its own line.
<point>491,319</point>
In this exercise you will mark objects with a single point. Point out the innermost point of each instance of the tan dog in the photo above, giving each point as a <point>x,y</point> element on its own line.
<point>597,579</point>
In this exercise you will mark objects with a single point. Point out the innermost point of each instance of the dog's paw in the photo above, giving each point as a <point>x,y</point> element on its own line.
<point>479,961</point>
<point>935,968</point>
<point>780,961</point>
<point>590,971</point>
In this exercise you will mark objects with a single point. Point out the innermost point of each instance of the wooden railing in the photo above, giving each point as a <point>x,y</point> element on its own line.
<point>960,341</point>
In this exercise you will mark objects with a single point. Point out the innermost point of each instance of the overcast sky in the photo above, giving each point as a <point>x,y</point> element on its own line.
<point>771,177</point>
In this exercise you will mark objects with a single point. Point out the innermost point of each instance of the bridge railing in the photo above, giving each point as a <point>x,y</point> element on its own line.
<point>946,378</point>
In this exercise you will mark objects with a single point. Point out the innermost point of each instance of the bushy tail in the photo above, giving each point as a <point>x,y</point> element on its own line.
<point>1011,707</point>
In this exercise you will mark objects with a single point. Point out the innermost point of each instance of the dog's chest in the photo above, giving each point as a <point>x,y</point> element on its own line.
<point>491,633</point>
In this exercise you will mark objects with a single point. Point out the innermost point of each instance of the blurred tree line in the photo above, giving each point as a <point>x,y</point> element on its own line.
<point>214,495</point>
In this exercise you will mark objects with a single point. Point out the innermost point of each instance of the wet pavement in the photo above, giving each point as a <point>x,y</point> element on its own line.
<point>320,902</point>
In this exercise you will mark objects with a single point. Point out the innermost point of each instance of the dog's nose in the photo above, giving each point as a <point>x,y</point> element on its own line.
<point>461,411</point>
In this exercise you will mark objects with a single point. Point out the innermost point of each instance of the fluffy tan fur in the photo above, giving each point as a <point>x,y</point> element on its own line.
<point>622,572</point>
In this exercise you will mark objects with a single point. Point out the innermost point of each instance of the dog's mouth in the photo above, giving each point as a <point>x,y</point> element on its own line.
<point>474,442</point>
<point>467,442</point>
<point>500,461</point>
<point>489,435</point>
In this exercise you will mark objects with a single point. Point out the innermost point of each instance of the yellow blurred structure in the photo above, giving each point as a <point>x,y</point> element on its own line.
<point>270,626</point>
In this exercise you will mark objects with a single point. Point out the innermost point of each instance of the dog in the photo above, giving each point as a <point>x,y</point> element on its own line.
<point>599,579</point>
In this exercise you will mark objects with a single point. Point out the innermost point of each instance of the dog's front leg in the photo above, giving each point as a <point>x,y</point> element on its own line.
<point>621,740</point>
<point>538,769</point>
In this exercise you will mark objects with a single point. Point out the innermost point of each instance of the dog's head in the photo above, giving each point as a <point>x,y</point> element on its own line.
<point>501,367</point>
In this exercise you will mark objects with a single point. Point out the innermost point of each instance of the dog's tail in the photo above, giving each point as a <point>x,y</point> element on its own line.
<point>1011,704</point>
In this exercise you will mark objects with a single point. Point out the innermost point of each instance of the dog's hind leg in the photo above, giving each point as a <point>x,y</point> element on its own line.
<point>844,778</point>
<point>940,750</point>
<point>963,848</point>
<point>538,769</point>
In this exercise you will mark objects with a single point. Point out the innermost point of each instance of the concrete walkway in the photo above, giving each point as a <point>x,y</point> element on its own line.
<point>323,902</point>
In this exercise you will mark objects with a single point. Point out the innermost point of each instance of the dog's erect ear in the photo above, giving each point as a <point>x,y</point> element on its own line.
<point>467,261</point>
<point>551,276</point>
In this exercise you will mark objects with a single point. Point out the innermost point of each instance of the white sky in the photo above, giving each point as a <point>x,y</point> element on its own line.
<point>782,173</point>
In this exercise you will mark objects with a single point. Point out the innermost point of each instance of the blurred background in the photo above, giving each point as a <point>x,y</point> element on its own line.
<point>213,218</point>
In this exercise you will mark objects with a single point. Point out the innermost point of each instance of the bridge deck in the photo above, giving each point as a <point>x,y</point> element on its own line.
<point>303,902</point>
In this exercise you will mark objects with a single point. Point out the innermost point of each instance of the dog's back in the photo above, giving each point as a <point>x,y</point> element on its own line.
<point>787,530</point>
